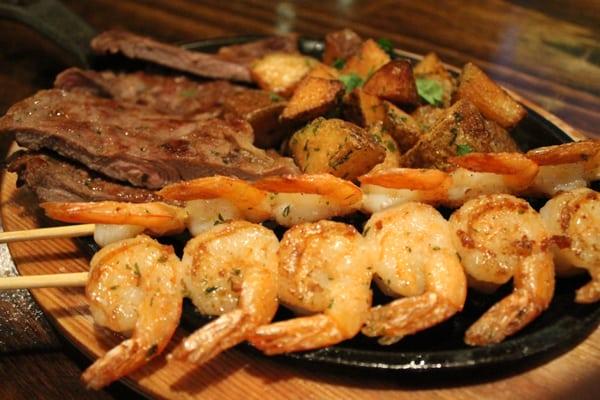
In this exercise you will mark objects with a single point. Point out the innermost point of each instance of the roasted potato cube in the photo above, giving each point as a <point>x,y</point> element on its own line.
<point>363,109</point>
<point>491,100</point>
<point>323,71</point>
<point>431,67</point>
<point>337,147</point>
<point>500,138</point>
<point>403,128</point>
<point>392,152</point>
<point>427,116</point>
<point>460,131</point>
<point>281,72</point>
<point>262,110</point>
<point>394,82</point>
<point>313,97</point>
<point>340,45</point>
<point>368,59</point>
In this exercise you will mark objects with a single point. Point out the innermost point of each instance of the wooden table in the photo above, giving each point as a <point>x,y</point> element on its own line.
<point>549,53</point>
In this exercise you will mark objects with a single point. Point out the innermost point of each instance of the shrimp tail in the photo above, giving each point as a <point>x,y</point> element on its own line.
<point>407,316</point>
<point>119,362</point>
<point>590,293</point>
<point>213,338</point>
<point>504,319</point>
<point>296,334</point>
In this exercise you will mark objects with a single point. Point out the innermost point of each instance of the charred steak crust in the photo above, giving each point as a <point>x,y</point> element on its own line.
<point>53,179</point>
<point>132,143</point>
<point>144,48</point>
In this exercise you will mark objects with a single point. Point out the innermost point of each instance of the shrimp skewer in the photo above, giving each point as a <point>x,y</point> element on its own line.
<point>499,237</point>
<point>231,271</point>
<point>216,199</point>
<point>309,198</point>
<point>134,286</point>
<point>414,257</point>
<point>565,167</point>
<point>575,217</point>
<point>115,221</point>
<point>323,270</point>
<point>478,173</point>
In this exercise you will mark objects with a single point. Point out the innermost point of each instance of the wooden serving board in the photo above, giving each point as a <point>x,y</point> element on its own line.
<point>238,373</point>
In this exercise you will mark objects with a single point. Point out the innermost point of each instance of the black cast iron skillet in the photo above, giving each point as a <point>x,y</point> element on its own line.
<point>436,351</point>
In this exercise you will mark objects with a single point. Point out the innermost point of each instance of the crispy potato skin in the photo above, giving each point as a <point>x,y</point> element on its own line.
<point>368,59</point>
<point>281,72</point>
<point>337,147</point>
<point>394,82</point>
<point>363,109</point>
<point>340,45</point>
<point>491,100</point>
<point>313,98</point>
<point>463,125</point>
<point>431,67</point>
<point>401,126</point>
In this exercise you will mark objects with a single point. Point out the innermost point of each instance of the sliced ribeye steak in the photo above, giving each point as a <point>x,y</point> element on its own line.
<point>176,95</point>
<point>178,58</point>
<point>54,179</point>
<point>132,143</point>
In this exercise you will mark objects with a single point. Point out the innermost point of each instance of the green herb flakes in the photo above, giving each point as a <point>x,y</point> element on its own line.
<point>351,81</point>
<point>192,92</point>
<point>211,289</point>
<point>430,90</point>
<point>339,63</point>
<point>462,149</point>
<point>386,45</point>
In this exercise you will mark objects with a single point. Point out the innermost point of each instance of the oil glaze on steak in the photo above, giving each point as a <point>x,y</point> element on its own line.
<point>132,143</point>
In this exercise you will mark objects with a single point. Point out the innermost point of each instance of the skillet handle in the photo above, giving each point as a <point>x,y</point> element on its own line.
<point>54,21</point>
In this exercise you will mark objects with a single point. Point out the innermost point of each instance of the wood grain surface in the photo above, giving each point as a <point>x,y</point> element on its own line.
<point>547,52</point>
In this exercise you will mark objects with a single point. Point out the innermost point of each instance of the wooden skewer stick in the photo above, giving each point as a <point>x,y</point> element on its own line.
<point>44,281</point>
<point>48,233</point>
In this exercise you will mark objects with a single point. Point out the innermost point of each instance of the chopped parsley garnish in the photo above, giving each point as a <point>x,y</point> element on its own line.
<point>211,289</point>
<point>462,149</point>
<point>339,63</point>
<point>351,81</point>
<point>431,91</point>
<point>136,270</point>
<point>274,97</point>
<point>188,92</point>
<point>386,45</point>
<point>391,146</point>
<point>286,211</point>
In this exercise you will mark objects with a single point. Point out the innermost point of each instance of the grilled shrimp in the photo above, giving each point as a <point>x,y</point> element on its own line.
<point>323,271</point>
<point>477,174</point>
<point>565,167</point>
<point>500,237</point>
<point>309,198</point>
<point>574,218</point>
<point>414,257</point>
<point>231,271</point>
<point>116,221</point>
<point>213,200</point>
<point>134,287</point>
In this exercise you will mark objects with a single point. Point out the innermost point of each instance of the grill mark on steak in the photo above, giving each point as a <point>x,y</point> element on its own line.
<point>178,58</point>
<point>54,179</point>
<point>132,143</point>
<point>174,95</point>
